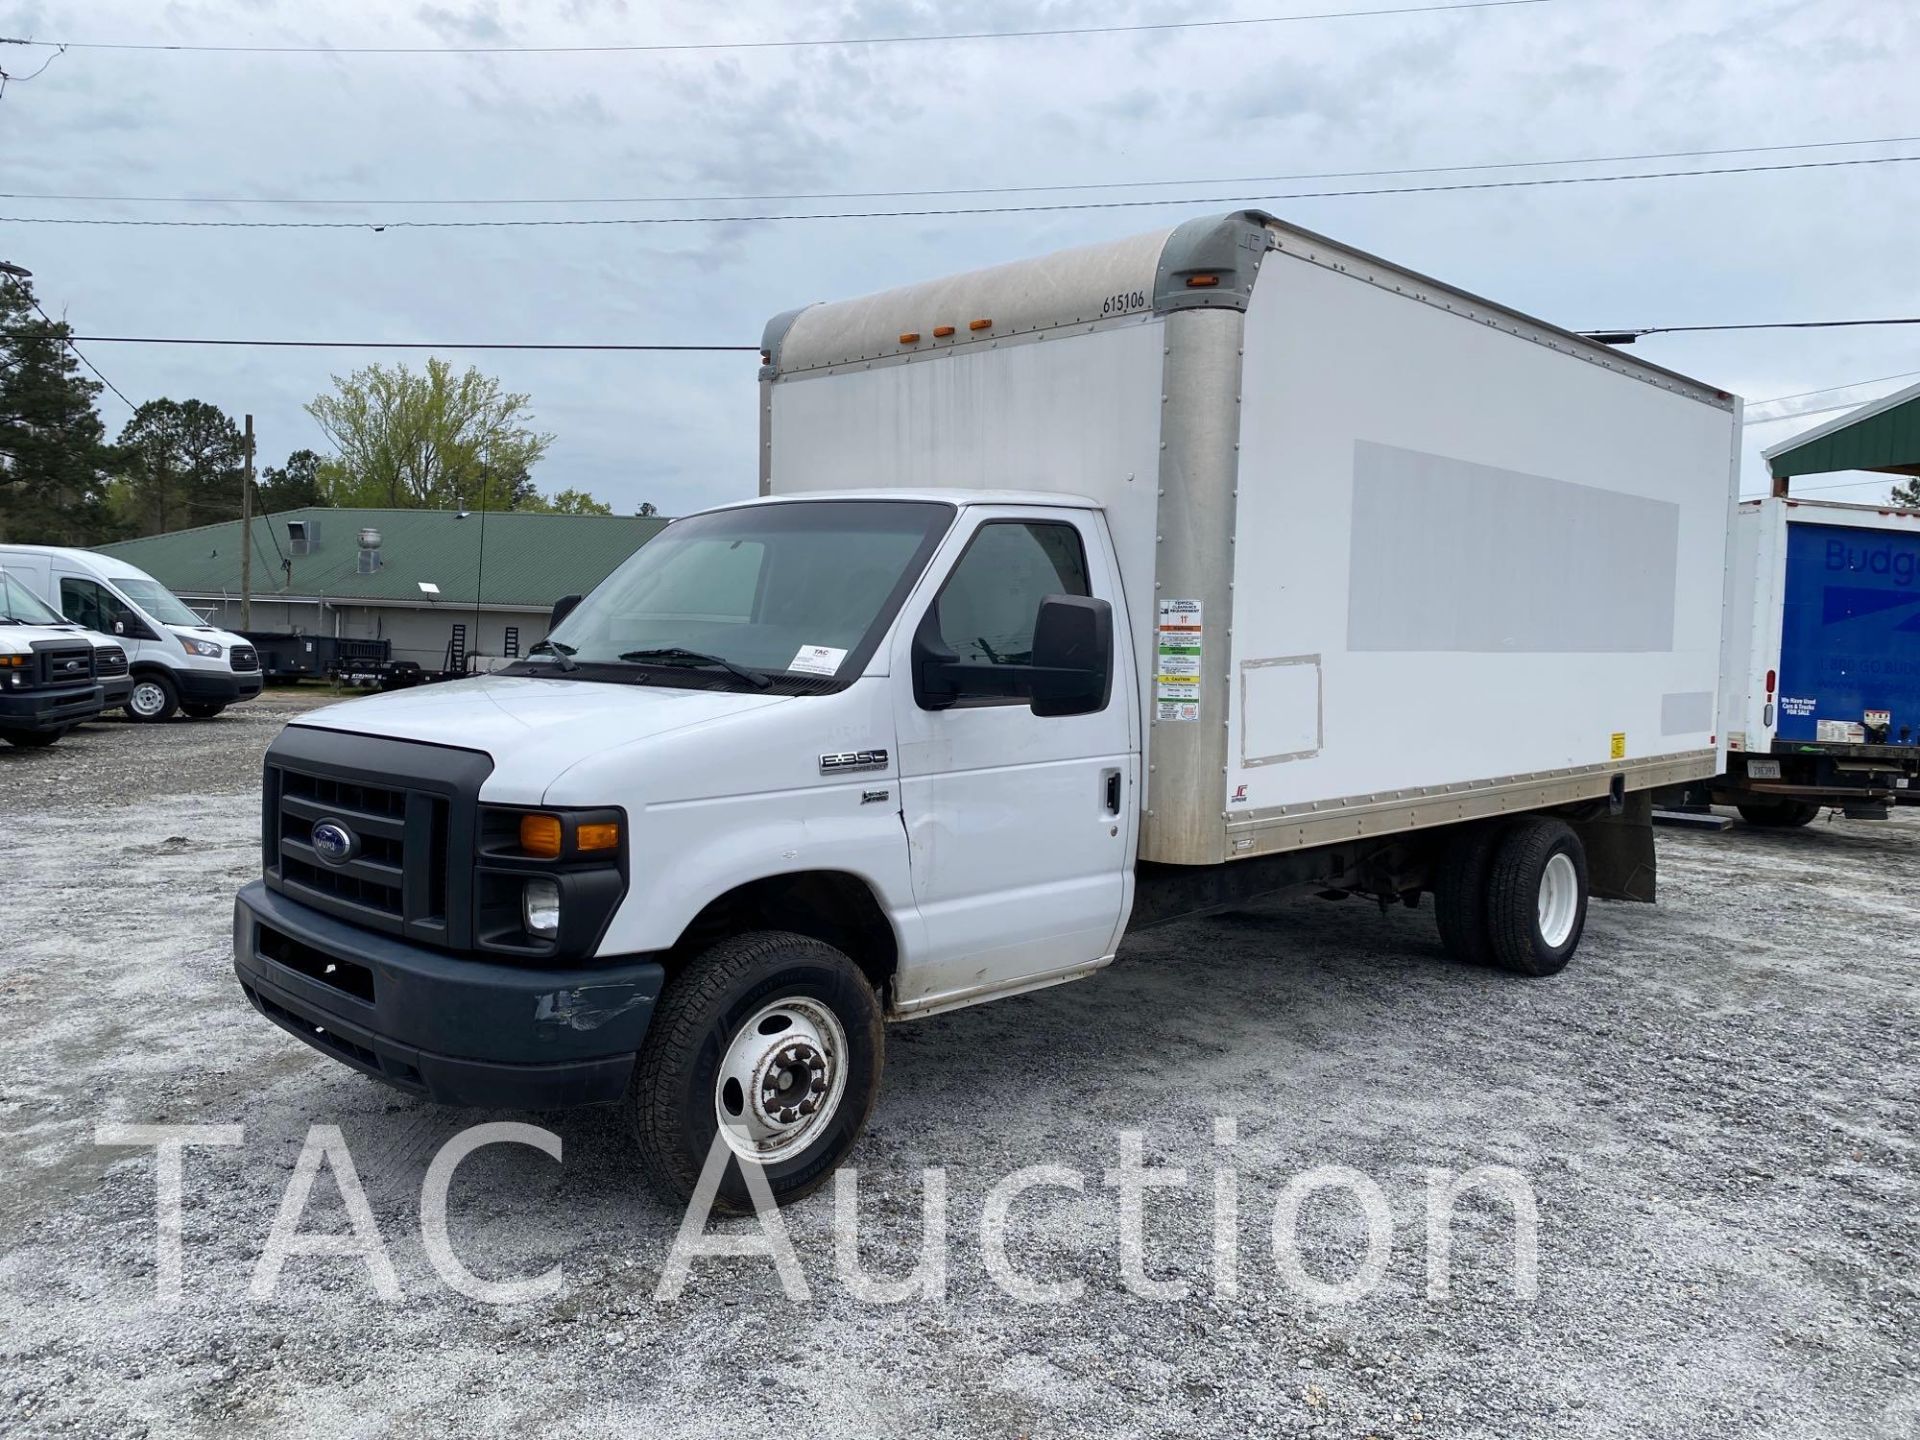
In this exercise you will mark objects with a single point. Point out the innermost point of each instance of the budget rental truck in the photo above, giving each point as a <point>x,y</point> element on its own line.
<point>1824,640</point>
<point>1080,594</point>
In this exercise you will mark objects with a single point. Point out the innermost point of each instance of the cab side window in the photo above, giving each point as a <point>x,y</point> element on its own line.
<point>87,603</point>
<point>987,608</point>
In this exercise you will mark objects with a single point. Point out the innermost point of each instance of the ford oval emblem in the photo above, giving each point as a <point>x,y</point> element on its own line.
<point>334,843</point>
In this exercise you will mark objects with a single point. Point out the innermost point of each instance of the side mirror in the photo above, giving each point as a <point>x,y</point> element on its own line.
<point>562,608</point>
<point>1072,655</point>
<point>119,627</point>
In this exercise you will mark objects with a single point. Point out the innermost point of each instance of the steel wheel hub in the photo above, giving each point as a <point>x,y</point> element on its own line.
<point>147,698</point>
<point>1559,900</point>
<point>780,1080</point>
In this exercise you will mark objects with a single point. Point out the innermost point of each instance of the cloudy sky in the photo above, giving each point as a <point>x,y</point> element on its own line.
<point>1213,106</point>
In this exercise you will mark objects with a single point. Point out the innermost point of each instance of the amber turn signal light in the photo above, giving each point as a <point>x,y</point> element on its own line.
<point>597,837</point>
<point>540,835</point>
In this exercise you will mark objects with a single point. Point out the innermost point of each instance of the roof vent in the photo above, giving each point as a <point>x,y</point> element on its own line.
<point>303,536</point>
<point>369,550</point>
<point>369,538</point>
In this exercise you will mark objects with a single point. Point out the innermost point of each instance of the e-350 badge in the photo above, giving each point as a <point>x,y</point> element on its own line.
<point>849,760</point>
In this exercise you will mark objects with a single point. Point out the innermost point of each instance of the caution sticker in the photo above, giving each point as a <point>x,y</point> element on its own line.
<point>1177,645</point>
<point>1619,748</point>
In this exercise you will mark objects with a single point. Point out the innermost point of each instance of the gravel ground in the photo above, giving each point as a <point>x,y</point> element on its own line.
<point>1715,1108</point>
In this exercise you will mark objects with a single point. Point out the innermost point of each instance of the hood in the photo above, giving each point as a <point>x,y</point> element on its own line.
<point>534,729</point>
<point>225,638</point>
<point>18,639</point>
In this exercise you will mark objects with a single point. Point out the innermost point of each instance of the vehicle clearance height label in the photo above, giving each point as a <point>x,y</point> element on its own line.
<point>1177,661</point>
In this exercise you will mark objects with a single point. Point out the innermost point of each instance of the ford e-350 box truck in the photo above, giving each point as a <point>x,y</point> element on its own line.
<point>1082,593</point>
<point>1824,640</point>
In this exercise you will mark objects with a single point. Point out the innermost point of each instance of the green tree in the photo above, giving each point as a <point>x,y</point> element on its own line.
<point>566,502</point>
<point>55,462</point>
<point>429,440</point>
<point>1906,494</point>
<point>183,462</point>
<point>292,486</point>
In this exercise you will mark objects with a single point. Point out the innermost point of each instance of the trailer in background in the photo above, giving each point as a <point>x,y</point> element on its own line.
<point>1824,661</point>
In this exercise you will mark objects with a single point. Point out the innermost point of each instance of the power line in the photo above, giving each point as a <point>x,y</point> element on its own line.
<point>1828,389</point>
<point>379,344</point>
<point>1626,337</point>
<point>681,47</point>
<point>379,227</point>
<point>973,190</point>
<point>68,340</point>
<point>590,346</point>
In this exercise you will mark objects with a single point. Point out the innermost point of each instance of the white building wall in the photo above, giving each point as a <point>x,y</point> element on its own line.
<point>417,634</point>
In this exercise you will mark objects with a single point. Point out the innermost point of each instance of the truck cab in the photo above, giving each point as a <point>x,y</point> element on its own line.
<point>177,662</point>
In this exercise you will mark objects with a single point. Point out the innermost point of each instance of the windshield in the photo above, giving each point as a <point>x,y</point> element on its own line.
<point>22,607</point>
<point>797,591</point>
<point>158,601</point>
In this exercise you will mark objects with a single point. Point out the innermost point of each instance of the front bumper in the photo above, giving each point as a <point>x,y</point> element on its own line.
<point>459,1031</point>
<point>216,687</point>
<point>115,692</point>
<point>48,709</point>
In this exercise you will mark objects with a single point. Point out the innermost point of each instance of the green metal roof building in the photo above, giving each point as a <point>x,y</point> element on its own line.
<point>361,573</point>
<point>1882,436</point>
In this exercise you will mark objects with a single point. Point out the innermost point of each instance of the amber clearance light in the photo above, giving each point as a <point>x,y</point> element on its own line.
<point>597,837</point>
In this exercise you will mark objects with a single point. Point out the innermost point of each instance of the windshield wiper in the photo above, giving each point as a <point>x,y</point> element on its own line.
<point>562,652</point>
<point>670,653</point>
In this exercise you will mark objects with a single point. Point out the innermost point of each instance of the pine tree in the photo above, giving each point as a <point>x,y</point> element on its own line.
<point>55,461</point>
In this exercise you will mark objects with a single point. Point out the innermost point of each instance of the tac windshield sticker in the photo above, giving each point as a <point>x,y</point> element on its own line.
<point>1177,661</point>
<point>818,660</point>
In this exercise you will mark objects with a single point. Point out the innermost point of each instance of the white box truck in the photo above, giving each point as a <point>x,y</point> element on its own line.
<point>1082,593</point>
<point>1824,661</point>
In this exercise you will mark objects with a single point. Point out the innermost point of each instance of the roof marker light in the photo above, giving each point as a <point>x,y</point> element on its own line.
<point>909,337</point>
<point>979,324</point>
<point>941,332</point>
<point>1202,282</point>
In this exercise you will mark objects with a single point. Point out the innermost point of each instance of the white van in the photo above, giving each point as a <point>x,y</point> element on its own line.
<point>19,606</point>
<point>179,662</point>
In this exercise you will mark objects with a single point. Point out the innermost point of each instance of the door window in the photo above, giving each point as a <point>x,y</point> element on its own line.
<point>987,609</point>
<point>88,603</point>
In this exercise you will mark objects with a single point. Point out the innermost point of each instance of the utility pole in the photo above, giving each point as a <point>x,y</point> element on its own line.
<point>246,535</point>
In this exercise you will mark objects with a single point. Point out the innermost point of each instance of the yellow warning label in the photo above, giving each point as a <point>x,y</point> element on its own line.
<point>1619,749</point>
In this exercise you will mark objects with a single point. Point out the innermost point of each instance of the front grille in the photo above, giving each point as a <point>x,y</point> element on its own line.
<point>109,661</point>
<point>244,657</point>
<point>65,665</point>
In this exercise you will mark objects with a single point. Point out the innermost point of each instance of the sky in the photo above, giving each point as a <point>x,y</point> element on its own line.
<point>1550,81</point>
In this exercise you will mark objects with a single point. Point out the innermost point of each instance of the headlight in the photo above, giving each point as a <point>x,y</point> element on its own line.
<point>200,647</point>
<point>540,907</point>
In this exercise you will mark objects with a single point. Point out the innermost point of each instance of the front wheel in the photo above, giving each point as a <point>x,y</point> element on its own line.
<point>1537,896</point>
<point>769,1045</point>
<point>200,710</point>
<point>153,699</point>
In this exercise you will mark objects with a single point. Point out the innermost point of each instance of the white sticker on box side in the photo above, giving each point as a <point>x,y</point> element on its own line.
<point>818,660</point>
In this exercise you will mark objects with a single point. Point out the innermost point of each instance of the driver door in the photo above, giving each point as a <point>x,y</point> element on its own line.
<point>1018,826</point>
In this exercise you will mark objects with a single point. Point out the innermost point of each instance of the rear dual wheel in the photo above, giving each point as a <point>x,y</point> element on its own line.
<point>1513,895</point>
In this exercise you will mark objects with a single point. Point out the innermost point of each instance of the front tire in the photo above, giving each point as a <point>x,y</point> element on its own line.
<point>153,699</point>
<point>1779,814</point>
<point>769,1044</point>
<point>1537,896</point>
<point>200,709</point>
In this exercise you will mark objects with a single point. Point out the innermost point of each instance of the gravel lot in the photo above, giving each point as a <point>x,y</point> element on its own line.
<point>1715,1107</point>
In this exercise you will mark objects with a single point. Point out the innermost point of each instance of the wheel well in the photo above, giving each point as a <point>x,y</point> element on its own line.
<point>827,905</point>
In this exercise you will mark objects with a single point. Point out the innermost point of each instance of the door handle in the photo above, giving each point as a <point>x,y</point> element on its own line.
<point>1110,790</point>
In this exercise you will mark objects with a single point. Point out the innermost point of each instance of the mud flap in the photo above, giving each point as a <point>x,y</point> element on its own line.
<point>1620,861</point>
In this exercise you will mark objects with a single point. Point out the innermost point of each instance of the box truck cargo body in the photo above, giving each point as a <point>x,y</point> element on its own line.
<point>1824,672</point>
<point>1394,556</point>
<point>1081,593</point>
